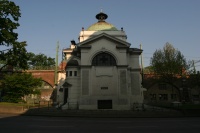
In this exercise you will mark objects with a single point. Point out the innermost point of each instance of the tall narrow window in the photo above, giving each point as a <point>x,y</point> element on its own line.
<point>75,73</point>
<point>70,73</point>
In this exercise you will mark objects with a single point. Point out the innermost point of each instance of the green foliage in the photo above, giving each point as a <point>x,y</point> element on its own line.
<point>15,52</point>
<point>169,65</point>
<point>148,70</point>
<point>17,85</point>
<point>17,56</point>
<point>168,61</point>
<point>9,16</point>
<point>40,61</point>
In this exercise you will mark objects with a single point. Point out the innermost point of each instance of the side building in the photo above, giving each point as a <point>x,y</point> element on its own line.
<point>102,71</point>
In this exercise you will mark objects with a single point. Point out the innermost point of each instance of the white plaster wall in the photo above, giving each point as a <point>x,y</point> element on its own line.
<point>111,80</point>
<point>108,77</point>
<point>103,45</point>
<point>68,54</point>
<point>104,77</point>
<point>134,61</point>
<point>120,102</point>
<point>92,102</point>
<point>136,94</point>
<point>74,90</point>
<point>61,80</point>
<point>135,70</point>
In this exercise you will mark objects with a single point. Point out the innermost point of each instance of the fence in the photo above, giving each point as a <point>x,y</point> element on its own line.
<point>40,104</point>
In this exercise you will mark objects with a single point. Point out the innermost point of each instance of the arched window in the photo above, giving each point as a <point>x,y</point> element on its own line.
<point>103,59</point>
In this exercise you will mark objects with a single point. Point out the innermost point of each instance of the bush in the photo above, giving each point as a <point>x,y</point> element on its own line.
<point>12,99</point>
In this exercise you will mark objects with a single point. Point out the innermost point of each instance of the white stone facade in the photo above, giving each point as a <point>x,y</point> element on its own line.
<point>102,72</point>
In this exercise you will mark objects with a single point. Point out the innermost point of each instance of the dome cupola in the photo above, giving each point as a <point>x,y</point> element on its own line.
<point>102,25</point>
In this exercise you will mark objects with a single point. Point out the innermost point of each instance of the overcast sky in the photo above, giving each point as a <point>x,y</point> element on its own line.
<point>151,23</point>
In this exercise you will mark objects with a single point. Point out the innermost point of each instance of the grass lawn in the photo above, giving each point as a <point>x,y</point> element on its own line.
<point>27,105</point>
<point>12,104</point>
<point>18,104</point>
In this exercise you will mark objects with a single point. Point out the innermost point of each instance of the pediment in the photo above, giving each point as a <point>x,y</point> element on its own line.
<point>119,43</point>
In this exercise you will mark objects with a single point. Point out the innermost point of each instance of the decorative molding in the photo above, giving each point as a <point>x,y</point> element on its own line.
<point>122,66</point>
<point>135,51</point>
<point>122,47</point>
<point>135,69</point>
<point>85,66</point>
<point>85,47</point>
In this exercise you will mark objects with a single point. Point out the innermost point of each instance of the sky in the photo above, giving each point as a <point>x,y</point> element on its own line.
<point>151,23</point>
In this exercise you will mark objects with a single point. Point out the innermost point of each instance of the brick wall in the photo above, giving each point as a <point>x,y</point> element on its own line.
<point>46,75</point>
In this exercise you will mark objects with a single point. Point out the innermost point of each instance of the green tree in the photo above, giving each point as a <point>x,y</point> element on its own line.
<point>14,52</point>
<point>169,64</point>
<point>18,85</point>
<point>40,61</point>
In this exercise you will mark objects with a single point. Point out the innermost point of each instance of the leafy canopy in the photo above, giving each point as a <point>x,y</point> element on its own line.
<point>9,16</point>
<point>168,61</point>
<point>40,61</point>
<point>18,85</point>
<point>14,52</point>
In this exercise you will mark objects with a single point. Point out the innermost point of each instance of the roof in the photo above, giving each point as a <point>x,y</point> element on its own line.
<point>82,44</point>
<point>102,25</point>
<point>66,84</point>
<point>72,63</point>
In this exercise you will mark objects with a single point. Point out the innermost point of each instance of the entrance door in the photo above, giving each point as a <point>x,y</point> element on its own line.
<point>104,104</point>
<point>65,95</point>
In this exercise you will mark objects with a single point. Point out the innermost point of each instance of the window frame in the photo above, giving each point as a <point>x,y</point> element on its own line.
<point>104,59</point>
<point>75,73</point>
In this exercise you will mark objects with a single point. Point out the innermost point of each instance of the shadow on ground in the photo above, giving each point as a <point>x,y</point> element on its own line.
<point>103,113</point>
<point>147,113</point>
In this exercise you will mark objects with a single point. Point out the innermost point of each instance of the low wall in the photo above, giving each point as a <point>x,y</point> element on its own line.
<point>12,109</point>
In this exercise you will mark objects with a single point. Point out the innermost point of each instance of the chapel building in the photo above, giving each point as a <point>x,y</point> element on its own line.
<point>102,70</point>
